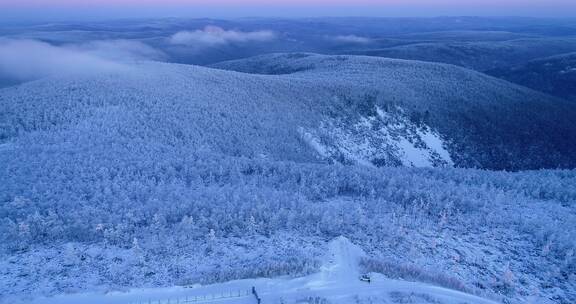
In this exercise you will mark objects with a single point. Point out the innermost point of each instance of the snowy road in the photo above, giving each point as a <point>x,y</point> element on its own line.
<point>337,282</point>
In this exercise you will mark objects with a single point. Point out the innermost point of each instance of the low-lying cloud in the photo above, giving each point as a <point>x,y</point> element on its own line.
<point>213,36</point>
<point>23,60</point>
<point>120,50</point>
<point>352,39</point>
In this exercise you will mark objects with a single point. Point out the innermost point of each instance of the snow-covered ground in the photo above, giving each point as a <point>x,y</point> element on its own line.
<point>337,282</point>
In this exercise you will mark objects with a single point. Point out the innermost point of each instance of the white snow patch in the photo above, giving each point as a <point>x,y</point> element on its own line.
<point>389,138</point>
<point>342,260</point>
<point>313,142</point>
<point>413,156</point>
<point>382,114</point>
<point>434,142</point>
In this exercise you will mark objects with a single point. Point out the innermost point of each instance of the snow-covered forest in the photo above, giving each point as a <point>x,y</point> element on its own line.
<point>114,189</point>
<point>201,218</point>
<point>140,174</point>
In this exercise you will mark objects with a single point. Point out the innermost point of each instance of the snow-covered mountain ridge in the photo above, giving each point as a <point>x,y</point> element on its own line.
<point>435,111</point>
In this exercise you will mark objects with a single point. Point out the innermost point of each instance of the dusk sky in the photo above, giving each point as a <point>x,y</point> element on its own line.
<point>77,9</point>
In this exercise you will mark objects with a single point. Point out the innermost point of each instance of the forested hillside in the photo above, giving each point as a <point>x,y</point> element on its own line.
<point>555,75</point>
<point>164,174</point>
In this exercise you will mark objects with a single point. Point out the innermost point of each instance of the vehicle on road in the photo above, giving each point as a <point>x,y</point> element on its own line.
<point>365,278</point>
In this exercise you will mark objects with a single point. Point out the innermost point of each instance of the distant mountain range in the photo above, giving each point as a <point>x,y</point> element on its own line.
<point>555,75</point>
<point>478,55</point>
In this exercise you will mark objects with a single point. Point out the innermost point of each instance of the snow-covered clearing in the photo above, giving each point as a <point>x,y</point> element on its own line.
<point>337,282</point>
<point>381,139</point>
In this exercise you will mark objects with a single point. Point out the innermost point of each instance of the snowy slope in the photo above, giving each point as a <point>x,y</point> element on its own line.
<point>481,121</point>
<point>379,140</point>
<point>358,109</point>
<point>337,283</point>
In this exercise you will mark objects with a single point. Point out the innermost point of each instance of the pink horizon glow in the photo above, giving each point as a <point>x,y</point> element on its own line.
<point>124,3</point>
<point>106,9</point>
